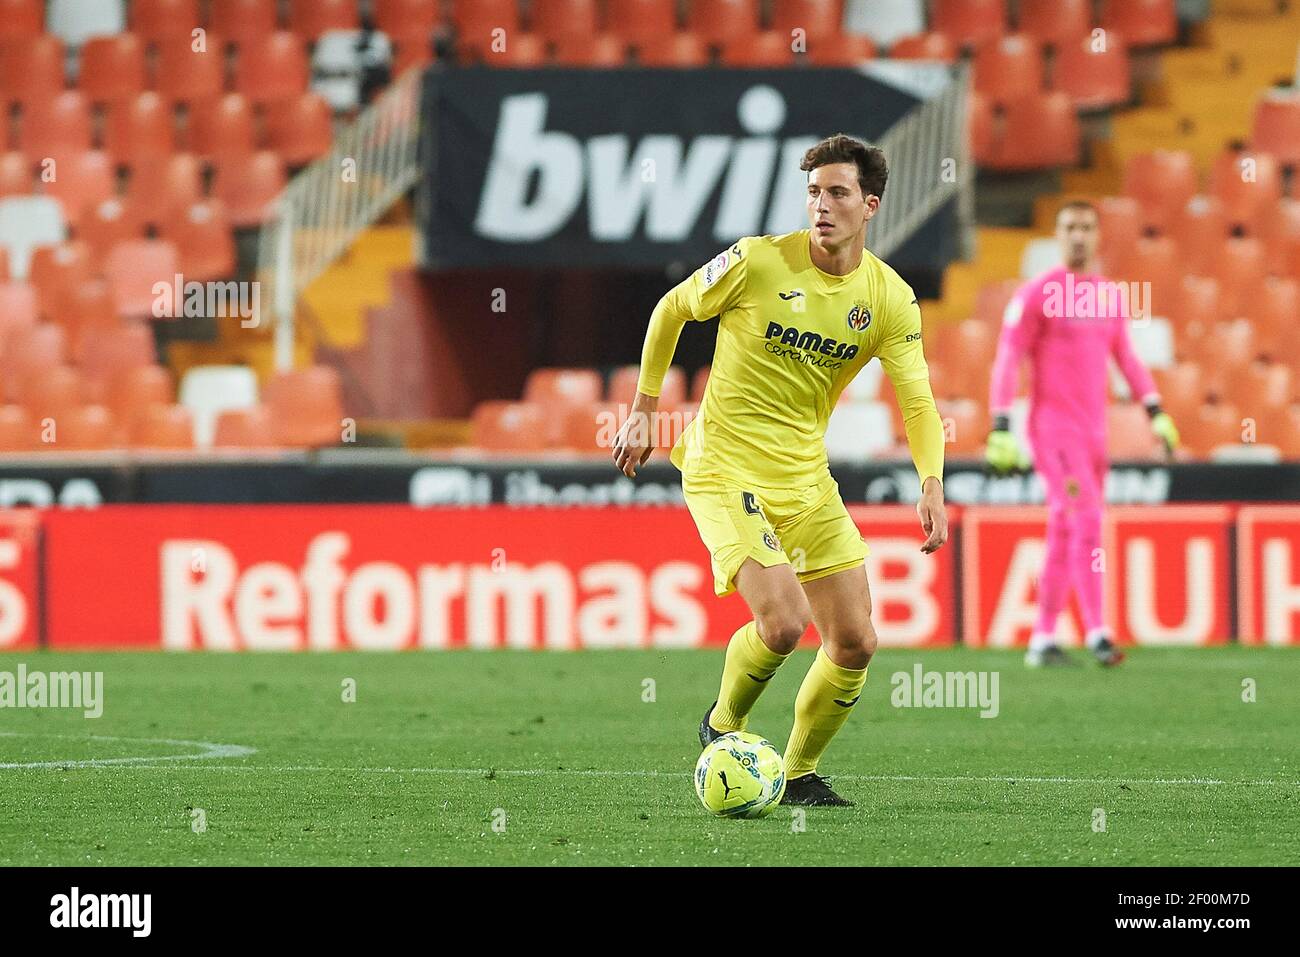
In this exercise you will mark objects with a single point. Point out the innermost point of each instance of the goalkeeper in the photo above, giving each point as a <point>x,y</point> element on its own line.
<point>1068,322</point>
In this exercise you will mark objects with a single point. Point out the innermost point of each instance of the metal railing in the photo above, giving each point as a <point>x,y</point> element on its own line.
<point>373,161</point>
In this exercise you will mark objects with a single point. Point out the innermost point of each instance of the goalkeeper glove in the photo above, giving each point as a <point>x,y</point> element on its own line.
<point>1162,424</point>
<point>1003,452</point>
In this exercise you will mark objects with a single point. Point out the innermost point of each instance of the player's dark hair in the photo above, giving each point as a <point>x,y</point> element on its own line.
<point>1078,204</point>
<point>841,148</point>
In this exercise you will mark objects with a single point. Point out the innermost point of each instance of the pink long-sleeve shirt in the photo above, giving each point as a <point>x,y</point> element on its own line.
<point>1067,325</point>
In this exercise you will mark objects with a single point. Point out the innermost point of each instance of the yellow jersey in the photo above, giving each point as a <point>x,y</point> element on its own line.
<point>790,338</point>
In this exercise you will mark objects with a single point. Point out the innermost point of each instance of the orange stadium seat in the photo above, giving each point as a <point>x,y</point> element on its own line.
<point>980,127</point>
<point>406,16</point>
<point>1248,184</point>
<point>155,19</point>
<point>50,392</point>
<point>86,428</point>
<point>412,50</point>
<point>638,21</point>
<point>22,19</point>
<point>112,68</point>
<point>551,386</point>
<point>222,127</point>
<point>1213,425</point>
<point>110,222</point>
<point>724,21</point>
<point>817,18</point>
<point>310,18</point>
<point>924,46</point>
<point>272,67</point>
<point>56,126</point>
<point>306,407</point>
<point>969,21</point>
<point>166,427</point>
<point>588,428</point>
<point>248,185</point>
<point>1161,181</point>
<point>622,386</point>
<point>1039,131</point>
<point>1276,126</point>
<point>555,19</point>
<point>673,50</point>
<point>1263,389</point>
<point>32,349</point>
<point>1142,23</point>
<point>1120,220</point>
<point>15,174</point>
<point>120,356</point>
<point>992,298</point>
<point>498,426</point>
<point>60,267</point>
<point>1281,428</point>
<point>160,185</point>
<point>242,20</point>
<point>131,388</point>
<point>17,430</point>
<point>1008,66</point>
<point>81,309</point>
<point>18,308</point>
<point>1128,433</point>
<point>186,75</point>
<point>1240,269</point>
<point>1094,79</point>
<point>598,50</point>
<point>766,49</point>
<point>1280,230</point>
<point>139,127</point>
<point>133,267</point>
<point>203,239</point>
<point>31,67</point>
<point>4,264</point>
<point>520,50</point>
<point>1182,388</point>
<point>475,20</point>
<point>1273,310</point>
<point>1060,23</point>
<point>249,428</point>
<point>1201,228</point>
<point>1152,259</point>
<point>839,49</point>
<point>300,129</point>
<point>965,426</point>
<point>81,182</point>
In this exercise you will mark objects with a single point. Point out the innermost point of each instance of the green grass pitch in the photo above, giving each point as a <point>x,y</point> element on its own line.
<point>552,758</point>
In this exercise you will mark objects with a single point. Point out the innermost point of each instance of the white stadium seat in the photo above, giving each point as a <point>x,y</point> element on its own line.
<point>76,21</point>
<point>207,391</point>
<point>859,430</point>
<point>866,386</point>
<point>27,222</point>
<point>1039,256</point>
<point>884,20</point>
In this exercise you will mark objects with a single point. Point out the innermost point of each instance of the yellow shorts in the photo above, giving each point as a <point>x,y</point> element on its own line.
<point>808,528</point>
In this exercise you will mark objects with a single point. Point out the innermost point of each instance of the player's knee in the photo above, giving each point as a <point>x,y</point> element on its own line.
<point>853,647</point>
<point>781,630</point>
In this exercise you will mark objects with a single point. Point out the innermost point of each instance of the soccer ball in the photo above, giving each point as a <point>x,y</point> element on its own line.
<point>740,775</point>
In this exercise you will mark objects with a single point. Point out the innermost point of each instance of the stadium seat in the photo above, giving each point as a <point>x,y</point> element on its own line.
<point>1095,79</point>
<point>821,19</point>
<point>112,68</point>
<point>477,21</point>
<point>204,241</point>
<point>593,50</point>
<point>4,265</point>
<point>249,185</point>
<point>969,22</point>
<point>1039,256</point>
<point>18,432</point>
<point>15,174</point>
<point>1120,221</point>
<point>300,129</point>
<point>1142,23</point>
<point>882,21</point>
<point>1212,426</point>
<point>1281,428</point>
<point>120,357</point>
<point>56,127</point>
<point>1154,260</point>
<point>18,308</point>
<point>110,222</point>
<point>557,19</point>
<point>1279,228</point>
<point>859,430</point>
<point>86,428</point>
<point>208,391</point>
<point>156,19</point>
<point>759,50</point>
<point>992,299</point>
<point>622,386</point>
<point>27,222</point>
<point>1058,23</point>
<point>60,266</point>
<point>640,21</point>
<point>724,21</point>
<point>81,182</point>
<point>1264,388</point>
<point>498,426</point>
<point>924,46</point>
<point>132,268</point>
<point>49,392</point>
<point>159,186</point>
<point>520,50</point>
<point>550,386</point>
<point>407,16</point>
<point>79,310</point>
<point>1128,434</point>
<point>1276,126</point>
<point>31,68</point>
<point>1008,66</point>
<point>1162,182</point>
<point>222,128</point>
<point>306,407</point>
<point>965,427</point>
<point>673,50</point>
<point>186,75</point>
<point>310,18</point>
<point>341,57</point>
<point>272,67</point>
<point>139,128</point>
<point>1249,185</point>
<point>242,20</point>
<point>1273,310</point>
<point>23,19</point>
<point>1038,132</point>
<point>249,428</point>
<point>1153,341</point>
<point>1195,306</point>
<point>76,21</point>
<point>32,350</point>
<point>839,49</point>
<point>587,428</point>
<point>162,427</point>
<point>980,128</point>
<point>410,51</point>
<point>1200,229</point>
<point>1182,388</point>
<point>1240,269</point>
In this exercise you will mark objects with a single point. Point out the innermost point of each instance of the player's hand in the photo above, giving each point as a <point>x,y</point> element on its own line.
<point>1162,424</point>
<point>1003,452</point>
<point>635,439</point>
<point>934,520</point>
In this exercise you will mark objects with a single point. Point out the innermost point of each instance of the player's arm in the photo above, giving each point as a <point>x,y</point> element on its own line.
<point>711,290</point>
<point>903,359</point>
<point>1021,325</point>
<point>1141,385</point>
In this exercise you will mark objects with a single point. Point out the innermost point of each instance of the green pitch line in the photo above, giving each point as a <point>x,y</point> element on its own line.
<point>584,758</point>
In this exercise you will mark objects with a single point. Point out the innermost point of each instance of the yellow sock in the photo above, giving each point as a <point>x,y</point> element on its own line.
<point>826,697</point>
<point>750,665</point>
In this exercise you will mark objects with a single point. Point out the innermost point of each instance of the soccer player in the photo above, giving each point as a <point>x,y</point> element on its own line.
<point>1068,322</point>
<point>799,316</point>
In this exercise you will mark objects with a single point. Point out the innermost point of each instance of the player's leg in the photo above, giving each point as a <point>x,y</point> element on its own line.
<point>1052,462</point>
<point>1086,558</point>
